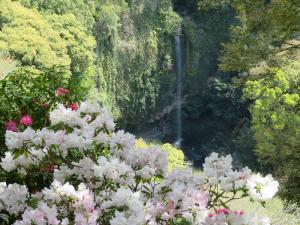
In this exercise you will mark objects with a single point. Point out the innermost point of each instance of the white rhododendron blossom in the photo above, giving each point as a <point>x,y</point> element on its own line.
<point>66,116</point>
<point>13,197</point>
<point>134,207</point>
<point>121,140</point>
<point>80,171</point>
<point>114,170</point>
<point>8,163</point>
<point>34,157</point>
<point>262,188</point>
<point>218,171</point>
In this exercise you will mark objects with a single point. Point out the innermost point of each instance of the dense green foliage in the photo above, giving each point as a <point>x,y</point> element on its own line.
<point>27,37</point>
<point>276,125</point>
<point>44,41</point>
<point>28,91</point>
<point>264,29</point>
<point>133,70</point>
<point>276,105</point>
<point>133,50</point>
<point>265,48</point>
<point>83,10</point>
<point>214,114</point>
<point>134,47</point>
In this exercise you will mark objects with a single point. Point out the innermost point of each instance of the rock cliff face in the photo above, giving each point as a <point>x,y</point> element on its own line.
<point>213,116</point>
<point>132,70</point>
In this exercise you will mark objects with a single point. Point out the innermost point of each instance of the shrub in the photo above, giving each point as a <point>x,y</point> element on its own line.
<point>98,177</point>
<point>276,126</point>
<point>32,93</point>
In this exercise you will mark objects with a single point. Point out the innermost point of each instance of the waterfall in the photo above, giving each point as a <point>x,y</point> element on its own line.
<point>179,73</point>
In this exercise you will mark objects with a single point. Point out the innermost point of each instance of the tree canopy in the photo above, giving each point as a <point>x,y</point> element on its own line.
<point>28,37</point>
<point>276,125</point>
<point>43,41</point>
<point>263,29</point>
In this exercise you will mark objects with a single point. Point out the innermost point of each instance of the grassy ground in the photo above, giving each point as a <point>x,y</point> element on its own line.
<point>274,210</point>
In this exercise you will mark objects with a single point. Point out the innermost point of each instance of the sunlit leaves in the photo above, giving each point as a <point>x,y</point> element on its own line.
<point>276,125</point>
<point>28,37</point>
<point>45,40</point>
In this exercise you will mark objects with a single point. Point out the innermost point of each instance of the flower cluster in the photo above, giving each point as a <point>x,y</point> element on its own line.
<point>220,174</point>
<point>227,217</point>
<point>27,121</point>
<point>12,125</point>
<point>262,188</point>
<point>98,176</point>
<point>13,197</point>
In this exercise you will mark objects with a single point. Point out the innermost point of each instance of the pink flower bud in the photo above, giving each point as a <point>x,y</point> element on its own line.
<point>51,168</point>
<point>11,125</point>
<point>74,106</point>
<point>171,209</point>
<point>26,120</point>
<point>225,211</point>
<point>45,105</point>
<point>62,91</point>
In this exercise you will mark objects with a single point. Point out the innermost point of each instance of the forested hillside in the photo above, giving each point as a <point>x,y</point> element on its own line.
<point>264,50</point>
<point>122,50</point>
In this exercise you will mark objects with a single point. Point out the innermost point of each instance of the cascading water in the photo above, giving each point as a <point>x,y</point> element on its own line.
<point>179,73</point>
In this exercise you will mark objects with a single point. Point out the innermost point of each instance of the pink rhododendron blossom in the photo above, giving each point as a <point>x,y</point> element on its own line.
<point>26,120</point>
<point>11,125</point>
